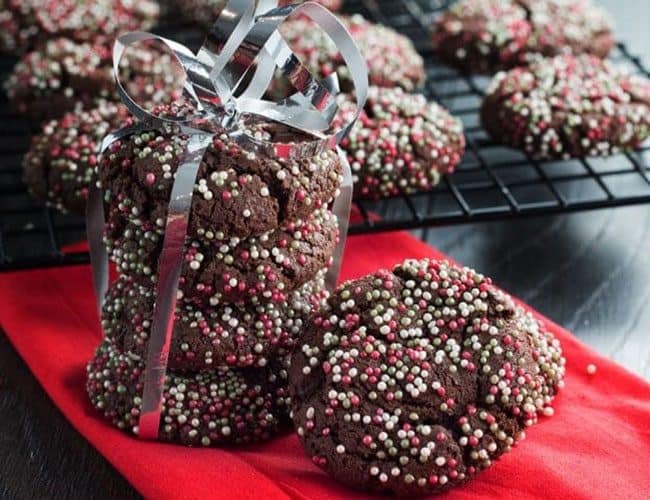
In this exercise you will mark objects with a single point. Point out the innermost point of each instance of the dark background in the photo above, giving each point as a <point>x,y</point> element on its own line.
<point>589,272</point>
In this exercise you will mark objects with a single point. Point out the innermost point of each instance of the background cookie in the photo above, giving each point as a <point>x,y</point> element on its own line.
<point>223,269</point>
<point>483,36</point>
<point>64,76</point>
<point>207,337</point>
<point>61,160</point>
<point>569,26</point>
<point>391,57</point>
<point>416,379</point>
<point>568,106</point>
<point>26,23</point>
<point>226,406</point>
<point>401,144</point>
<point>236,193</point>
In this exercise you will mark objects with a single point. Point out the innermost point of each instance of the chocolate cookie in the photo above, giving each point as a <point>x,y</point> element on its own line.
<point>205,12</point>
<point>237,193</point>
<point>391,57</point>
<point>207,337</point>
<point>59,165</point>
<point>415,380</point>
<point>26,23</point>
<point>222,269</point>
<point>64,76</point>
<point>225,406</point>
<point>484,36</point>
<point>568,107</point>
<point>401,144</point>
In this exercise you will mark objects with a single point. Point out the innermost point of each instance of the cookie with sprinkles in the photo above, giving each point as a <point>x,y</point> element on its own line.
<point>26,23</point>
<point>206,337</point>
<point>222,407</point>
<point>205,12</point>
<point>413,381</point>
<point>237,193</point>
<point>61,160</point>
<point>568,106</point>
<point>65,76</point>
<point>569,27</point>
<point>401,144</point>
<point>17,26</point>
<point>391,57</point>
<point>484,36</point>
<point>219,268</point>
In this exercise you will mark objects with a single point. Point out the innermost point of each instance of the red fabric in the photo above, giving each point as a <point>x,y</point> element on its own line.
<point>596,446</point>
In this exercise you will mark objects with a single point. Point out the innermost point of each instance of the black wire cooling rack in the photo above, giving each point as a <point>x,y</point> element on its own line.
<point>492,182</point>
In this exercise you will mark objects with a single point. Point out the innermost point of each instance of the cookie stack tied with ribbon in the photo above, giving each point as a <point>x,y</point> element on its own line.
<point>226,217</point>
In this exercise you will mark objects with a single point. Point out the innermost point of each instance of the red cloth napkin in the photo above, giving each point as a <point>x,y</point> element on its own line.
<point>596,446</point>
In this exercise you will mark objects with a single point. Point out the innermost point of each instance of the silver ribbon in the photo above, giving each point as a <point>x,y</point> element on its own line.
<point>225,83</point>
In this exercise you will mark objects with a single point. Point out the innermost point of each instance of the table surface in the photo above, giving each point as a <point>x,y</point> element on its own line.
<point>590,272</point>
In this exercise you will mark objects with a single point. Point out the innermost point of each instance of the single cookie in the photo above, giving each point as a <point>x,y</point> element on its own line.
<point>26,23</point>
<point>401,144</point>
<point>207,337</point>
<point>59,165</point>
<point>222,269</point>
<point>391,57</point>
<point>415,380</point>
<point>64,76</point>
<point>484,36</point>
<point>237,193</point>
<point>568,107</point>
<point>222,407</point>
<point>205,12</point>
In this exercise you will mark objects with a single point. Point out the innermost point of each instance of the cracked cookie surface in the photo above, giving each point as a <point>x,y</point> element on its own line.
<point>568,106</point>
<point>401,143</point>
<point>26,23</point>
<point>207,337</point>
<point>222,269</point>
<point>61,160</point>
<point>484,36</point>
<point>390,56</point>
<point>63,75</point>
<point>415,380</point>
<point>237,193</point>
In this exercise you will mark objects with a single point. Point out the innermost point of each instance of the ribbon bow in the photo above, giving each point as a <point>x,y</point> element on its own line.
<point>225,82</point>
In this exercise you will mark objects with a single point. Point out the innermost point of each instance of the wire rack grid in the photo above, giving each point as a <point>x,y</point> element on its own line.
<point>491,183</point>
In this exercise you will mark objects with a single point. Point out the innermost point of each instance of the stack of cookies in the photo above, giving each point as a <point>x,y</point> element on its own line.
<point>258,245</point>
